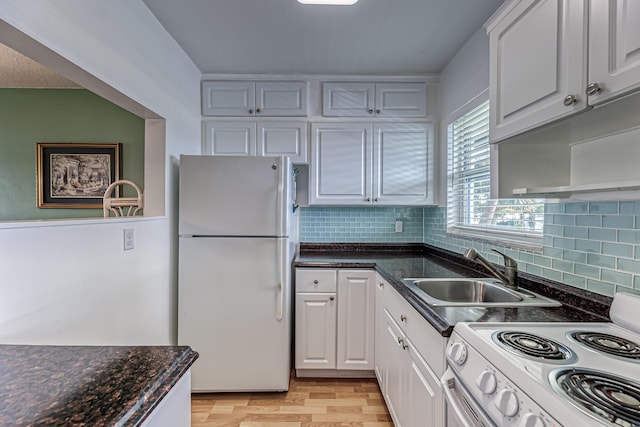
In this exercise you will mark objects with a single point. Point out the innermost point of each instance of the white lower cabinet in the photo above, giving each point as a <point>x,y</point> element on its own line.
<point>410,385</point>
<point>334,328</point>
<point>315,331</point>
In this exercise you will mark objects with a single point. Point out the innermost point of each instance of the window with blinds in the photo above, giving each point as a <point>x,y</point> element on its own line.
<point>469,208</point>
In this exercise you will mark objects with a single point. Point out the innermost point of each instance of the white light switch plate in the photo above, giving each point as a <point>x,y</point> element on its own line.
<point>128,239</point>
<point>398,226</point>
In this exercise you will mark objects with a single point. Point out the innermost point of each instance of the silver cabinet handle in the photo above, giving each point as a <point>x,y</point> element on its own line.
<point>593,88</point>
<point>250,111</point>
<point>403,318</point>
<point>315,282</point>
<point>381,284</point>
<point>368,199</point>
<point>375,200</point>
<point>377,111</point>
<point>370,111</point>
<point>570,100</point>
<point>332,298</point>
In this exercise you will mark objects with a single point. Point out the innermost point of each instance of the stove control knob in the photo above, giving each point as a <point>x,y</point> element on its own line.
<point>507,402</point>
<point>457,353</point>
<point>487,382</point>
<point>532,420</point>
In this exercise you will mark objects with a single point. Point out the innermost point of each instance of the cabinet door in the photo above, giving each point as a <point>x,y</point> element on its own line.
<point>403,164</point>
<point>283,139</point>
<point>614,47</point>
<point>230,139</point>
<point>356,296</point>
<point>340,171</point>
<point>401,99</point>
<point>379,357</point>
<point>424,401</point>
<point>395,375</point>
<point>537,59</point>
<point>348,99</point>
<point>315,331</point>
<point>281,99</point>
<point>228,98</point>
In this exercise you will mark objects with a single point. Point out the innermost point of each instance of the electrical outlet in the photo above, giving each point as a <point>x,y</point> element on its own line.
<point>128,239</point>
<point>398,226</point>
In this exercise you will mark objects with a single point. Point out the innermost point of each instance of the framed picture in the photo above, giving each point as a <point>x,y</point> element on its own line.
<point>75,175</point>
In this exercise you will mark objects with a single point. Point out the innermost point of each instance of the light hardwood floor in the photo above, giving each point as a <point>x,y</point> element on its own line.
<point>310,402</point>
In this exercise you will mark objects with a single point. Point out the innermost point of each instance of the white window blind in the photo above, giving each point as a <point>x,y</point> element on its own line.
<point>469,208</point>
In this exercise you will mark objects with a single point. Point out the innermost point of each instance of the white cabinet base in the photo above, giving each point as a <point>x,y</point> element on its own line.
<point>333,373</point>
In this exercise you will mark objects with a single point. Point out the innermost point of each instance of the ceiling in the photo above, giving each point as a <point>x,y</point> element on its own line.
<point>286,37</point>
<point>18,71</point>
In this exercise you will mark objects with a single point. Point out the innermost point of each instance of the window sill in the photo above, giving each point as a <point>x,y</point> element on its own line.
<point>508,240</point>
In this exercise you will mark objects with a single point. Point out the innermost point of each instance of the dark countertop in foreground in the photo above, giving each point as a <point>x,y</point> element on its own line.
<point>397,261</point>
<point>86,385</point>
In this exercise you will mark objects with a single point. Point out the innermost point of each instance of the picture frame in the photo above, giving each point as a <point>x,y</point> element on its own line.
<point>75,175</point>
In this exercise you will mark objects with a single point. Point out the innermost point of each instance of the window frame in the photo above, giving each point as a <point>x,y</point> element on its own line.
<point>520,239</point>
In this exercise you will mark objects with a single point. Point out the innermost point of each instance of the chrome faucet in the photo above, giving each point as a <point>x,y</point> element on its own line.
<point>509,278</point>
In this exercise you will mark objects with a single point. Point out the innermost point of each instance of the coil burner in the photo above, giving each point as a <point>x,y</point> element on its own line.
<point>610,344</point>
<point>534,346</point>
<point>603,395</point>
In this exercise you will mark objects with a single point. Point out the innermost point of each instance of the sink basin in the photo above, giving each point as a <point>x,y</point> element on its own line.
<point>473,292</point>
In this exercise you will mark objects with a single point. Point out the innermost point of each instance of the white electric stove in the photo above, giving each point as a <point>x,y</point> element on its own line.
<point>546,374</point>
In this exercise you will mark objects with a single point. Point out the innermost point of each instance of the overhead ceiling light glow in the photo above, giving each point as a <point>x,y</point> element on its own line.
<point>329,2</point>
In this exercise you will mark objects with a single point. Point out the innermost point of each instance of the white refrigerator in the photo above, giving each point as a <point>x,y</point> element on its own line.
<point>236,244</point>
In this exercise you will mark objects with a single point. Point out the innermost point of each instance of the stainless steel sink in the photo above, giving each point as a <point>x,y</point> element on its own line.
<point>485,292</point>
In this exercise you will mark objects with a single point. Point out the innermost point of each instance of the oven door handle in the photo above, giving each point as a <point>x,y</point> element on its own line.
<point>452,391</point>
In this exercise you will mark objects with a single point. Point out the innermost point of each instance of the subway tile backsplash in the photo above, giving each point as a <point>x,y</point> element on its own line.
<point>589,245</point>
<point>366,225</point>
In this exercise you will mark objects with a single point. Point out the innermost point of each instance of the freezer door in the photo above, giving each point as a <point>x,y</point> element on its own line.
<point>234,310</point>
<point>234,196</point>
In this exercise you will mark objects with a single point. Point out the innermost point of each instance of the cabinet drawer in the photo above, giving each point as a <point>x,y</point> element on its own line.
<point>316,280</point>
<point>396,306</point>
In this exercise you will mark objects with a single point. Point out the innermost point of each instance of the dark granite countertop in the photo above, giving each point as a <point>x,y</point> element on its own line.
<point>397,261</point>
<point>86,385</point>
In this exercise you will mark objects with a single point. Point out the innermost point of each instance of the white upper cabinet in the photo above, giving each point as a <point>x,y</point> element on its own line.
<point>553,58</point>
<point>340,164</point>
<point>614,48</point>
<point>537,65</point>
<point>283,139</point>
<point>364,99</point>
<point>230,139</point>
<point>402,164</point>
<point>248,98</point>
<point>266,139</point>
<point>365,164</point>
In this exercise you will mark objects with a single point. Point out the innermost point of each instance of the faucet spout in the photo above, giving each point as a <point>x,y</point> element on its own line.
<point>509,278</point>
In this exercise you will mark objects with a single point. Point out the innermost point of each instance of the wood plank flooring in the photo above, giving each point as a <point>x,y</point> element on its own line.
<point>310,402</point>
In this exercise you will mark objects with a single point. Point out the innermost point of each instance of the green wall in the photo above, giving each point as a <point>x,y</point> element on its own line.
<point>29,116</point>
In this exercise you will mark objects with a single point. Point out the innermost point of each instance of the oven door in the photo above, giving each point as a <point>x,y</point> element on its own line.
<point>462,409</point>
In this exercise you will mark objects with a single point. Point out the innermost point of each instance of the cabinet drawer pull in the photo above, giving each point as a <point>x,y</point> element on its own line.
<point>370,111</point>
<point>381,284</point>
<point>332,298</point>
<point>315,282</point>
<point>250,111</point>
<point>403,318</point>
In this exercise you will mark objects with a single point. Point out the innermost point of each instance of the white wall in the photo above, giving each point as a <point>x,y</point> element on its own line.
<point>70,281</point>
<point>464,80</point>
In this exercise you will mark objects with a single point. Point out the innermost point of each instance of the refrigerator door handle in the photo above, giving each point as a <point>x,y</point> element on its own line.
<point>281,278</point>
<point>280,197</point>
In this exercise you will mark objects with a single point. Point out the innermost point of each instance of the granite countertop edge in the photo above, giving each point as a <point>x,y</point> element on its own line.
<point>78,385</point>
<point>158,390</point>
<point>577,303</point>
